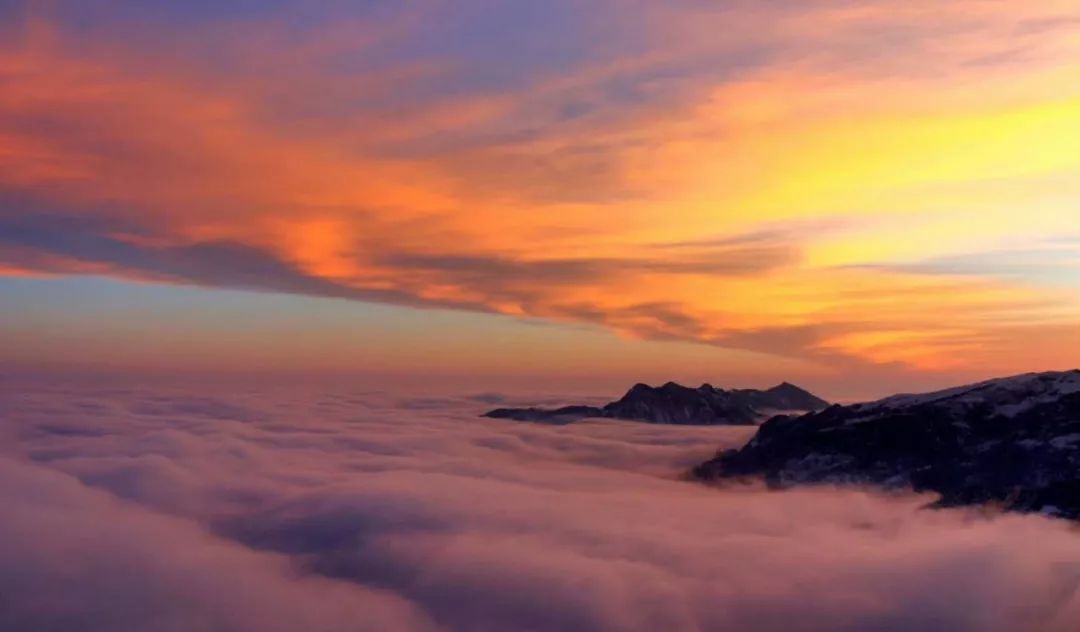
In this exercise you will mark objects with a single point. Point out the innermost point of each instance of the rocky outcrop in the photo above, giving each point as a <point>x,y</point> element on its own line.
<point>1012,441</point>
<point>566,414</point>
<point>680,405</point>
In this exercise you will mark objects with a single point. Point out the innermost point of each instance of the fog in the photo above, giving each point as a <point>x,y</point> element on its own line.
<point>215,508</point>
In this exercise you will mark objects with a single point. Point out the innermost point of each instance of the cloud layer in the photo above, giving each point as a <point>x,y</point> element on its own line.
<point>172,507</point>
<point>784,178</point>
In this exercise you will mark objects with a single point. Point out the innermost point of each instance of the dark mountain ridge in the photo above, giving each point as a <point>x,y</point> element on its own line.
<point>681,405</point>
<point>1011,441</point>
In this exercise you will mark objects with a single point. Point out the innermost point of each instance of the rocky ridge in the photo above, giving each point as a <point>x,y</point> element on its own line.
<point>1014,442</point>
<point>680,405</point>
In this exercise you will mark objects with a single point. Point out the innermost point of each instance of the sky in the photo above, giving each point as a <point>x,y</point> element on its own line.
<point>863,197</point>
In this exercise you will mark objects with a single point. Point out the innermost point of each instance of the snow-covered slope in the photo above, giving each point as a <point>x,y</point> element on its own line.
<point>1008,395</point>
<point>1012,440</point>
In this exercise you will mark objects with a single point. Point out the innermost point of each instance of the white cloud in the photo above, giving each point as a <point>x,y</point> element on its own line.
<point>347,511</point>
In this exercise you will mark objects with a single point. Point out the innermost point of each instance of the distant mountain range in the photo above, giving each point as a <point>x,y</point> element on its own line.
<point>681,405</point>
<point>1014,442</point>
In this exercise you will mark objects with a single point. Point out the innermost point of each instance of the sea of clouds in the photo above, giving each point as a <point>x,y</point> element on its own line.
<point>183,508</point>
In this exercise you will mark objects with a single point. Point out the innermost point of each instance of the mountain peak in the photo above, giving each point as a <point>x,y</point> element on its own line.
<point>787,396</point>
<point>673,403</point>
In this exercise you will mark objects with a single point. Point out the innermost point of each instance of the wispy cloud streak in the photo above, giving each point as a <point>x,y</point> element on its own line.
<point>808,181</point>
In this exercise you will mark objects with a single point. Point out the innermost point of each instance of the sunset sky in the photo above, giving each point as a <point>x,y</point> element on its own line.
<point>863,197</point>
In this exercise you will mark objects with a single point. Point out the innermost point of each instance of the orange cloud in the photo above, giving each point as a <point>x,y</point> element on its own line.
<point>769,209</point>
